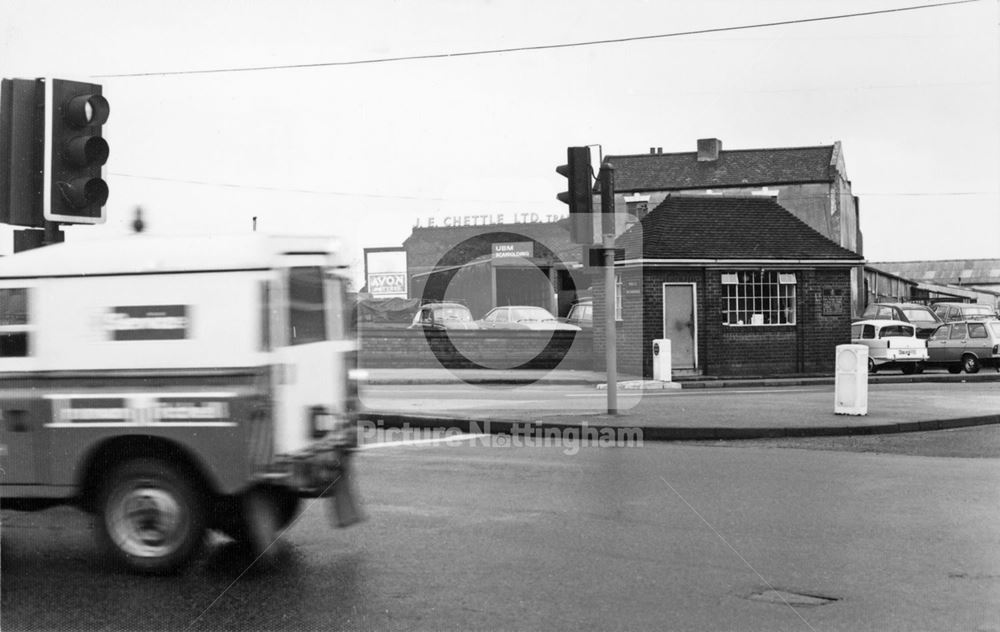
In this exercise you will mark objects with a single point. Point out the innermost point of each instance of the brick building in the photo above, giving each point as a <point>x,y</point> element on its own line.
<point>810,182</point>
<point>739,285</point>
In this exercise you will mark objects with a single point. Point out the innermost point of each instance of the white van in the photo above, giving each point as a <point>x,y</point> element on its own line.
<point>174,385</point>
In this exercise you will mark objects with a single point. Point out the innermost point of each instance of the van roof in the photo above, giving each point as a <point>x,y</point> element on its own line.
<point>148,254</point>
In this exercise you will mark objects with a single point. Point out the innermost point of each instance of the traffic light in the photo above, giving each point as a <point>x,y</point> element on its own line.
<point>580,195</point>
<point>73,190</point>
<point>21,153</point>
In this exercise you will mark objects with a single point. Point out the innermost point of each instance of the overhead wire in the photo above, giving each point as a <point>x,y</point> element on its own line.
<point>518,49</point>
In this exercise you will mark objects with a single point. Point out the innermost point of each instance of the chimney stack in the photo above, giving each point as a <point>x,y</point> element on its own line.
<point>709,149</point>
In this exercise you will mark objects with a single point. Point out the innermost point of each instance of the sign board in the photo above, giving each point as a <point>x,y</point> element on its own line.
<point>147,322</point>
<point>524,249</point>
<point>385,272</point>
<point>387,284</point>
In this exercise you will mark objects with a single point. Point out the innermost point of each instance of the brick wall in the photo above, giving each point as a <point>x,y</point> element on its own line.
<point>383,347</point>
<point>823,322</point>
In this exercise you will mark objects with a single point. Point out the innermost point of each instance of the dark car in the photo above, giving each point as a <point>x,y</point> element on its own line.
<point>965,345</point>
<point>920,316</point>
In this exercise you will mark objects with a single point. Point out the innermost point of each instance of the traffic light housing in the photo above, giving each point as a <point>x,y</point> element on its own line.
<point>579,197</point>
<point>21,131</point>
<point>73,187</point>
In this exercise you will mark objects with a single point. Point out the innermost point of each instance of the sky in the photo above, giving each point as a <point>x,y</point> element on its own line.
<point>361,118</point>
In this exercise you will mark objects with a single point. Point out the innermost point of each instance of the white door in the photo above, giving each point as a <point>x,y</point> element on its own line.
<point>309,363</point>
<point>680,324</point>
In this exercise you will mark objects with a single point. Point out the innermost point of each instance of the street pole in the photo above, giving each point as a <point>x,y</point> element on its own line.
<point>610,342</point>
<point>608,252</point>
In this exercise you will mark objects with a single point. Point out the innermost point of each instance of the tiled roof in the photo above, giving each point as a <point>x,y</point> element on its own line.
<point>716,227</point>
<point>948,271</point>
<point>741,167</point>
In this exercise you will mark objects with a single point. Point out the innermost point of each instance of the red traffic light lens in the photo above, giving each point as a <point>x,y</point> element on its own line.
<point>87,109</point>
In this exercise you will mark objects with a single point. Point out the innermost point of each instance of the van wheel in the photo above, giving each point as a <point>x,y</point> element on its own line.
<point>871,366</point>
<point>955,368</point>
<point>909,369</point>
<point>151,519</point>
<point>970,364</point>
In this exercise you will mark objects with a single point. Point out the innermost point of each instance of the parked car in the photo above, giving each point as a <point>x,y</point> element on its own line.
<point>581,314</point>
<point>891,344</point>
<point>443,316</point>
<point>965,345</point>
<point>920,316</point>
<point>526,317</point>
<point>949,312</point>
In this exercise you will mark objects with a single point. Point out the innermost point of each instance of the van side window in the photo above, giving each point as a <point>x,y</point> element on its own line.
<point>14,324</point>
<point>307,313</point>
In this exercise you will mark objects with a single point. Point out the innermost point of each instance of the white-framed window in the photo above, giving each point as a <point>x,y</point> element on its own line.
<point>758,297</point>
<point>619,288</point>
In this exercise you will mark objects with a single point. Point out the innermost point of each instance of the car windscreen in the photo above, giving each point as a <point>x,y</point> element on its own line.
<point>896,331</point>
<point>453,313</point>
<point>915,315</point>
<point>529,313</point>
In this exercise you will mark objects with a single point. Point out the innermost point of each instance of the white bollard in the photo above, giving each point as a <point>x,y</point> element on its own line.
<point>851,380</point>
<point>662,368</point>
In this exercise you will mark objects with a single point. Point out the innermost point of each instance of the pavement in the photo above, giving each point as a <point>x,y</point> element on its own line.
<point>909,408</point>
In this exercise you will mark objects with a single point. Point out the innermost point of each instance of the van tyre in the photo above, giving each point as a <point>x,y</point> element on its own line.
<point>909,369</point>
<point>151,518</point>
<point>970,364</point>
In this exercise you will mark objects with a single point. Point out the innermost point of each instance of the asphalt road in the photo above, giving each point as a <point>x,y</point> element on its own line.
<point>477,535</point>
<point>694,407</point>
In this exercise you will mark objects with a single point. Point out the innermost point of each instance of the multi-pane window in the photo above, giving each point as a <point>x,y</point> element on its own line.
<point>758,297</point>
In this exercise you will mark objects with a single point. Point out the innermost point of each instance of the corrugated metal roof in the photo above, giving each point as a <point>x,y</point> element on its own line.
<point>947,271</point>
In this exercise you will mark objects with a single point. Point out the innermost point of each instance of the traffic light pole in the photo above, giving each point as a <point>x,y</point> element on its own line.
<point>610,341</point>
<point>607,224</point>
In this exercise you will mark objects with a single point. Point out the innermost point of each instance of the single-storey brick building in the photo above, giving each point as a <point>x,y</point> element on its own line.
<point>740,286</point>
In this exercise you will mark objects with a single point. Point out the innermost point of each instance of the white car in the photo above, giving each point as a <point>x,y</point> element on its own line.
<point>525,317</point>
<point>891,344</point>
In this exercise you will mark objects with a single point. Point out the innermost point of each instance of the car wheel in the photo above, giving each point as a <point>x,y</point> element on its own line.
<point>151,517</point>
<point>954,368</point>
<point>909,369</point>
<point>871,366</point>
<point>970,364</point>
